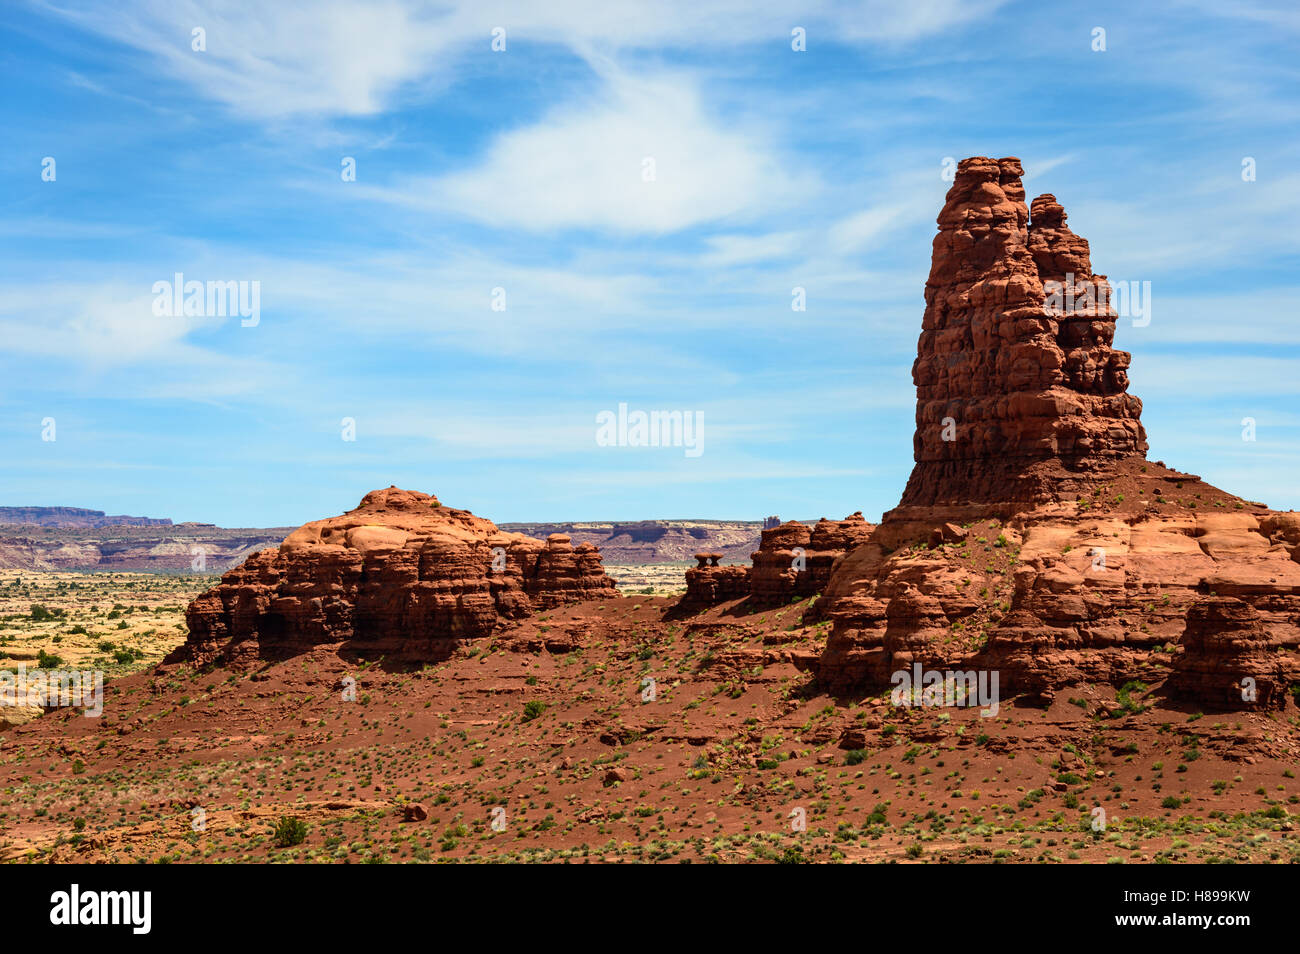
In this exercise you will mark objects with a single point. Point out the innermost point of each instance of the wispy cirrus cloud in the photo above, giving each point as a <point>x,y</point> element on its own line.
<point>643,155</point>
<point>351,57</point>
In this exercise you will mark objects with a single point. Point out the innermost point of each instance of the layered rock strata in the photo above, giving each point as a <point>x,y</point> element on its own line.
<point>708,584</point>
<point>793,562</point>
<point>400,575</point>
<point>1014,364</point>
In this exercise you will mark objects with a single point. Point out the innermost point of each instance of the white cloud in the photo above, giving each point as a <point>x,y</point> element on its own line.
<point>727,250</point>
<point>348,57</point>
<point>690,471</point>
<point>1036,168</point>
<point>1184,313</point>
<point>868,227</point>
<point>584,164</point>
<point>275,60</point>
<point>645,156</point>
<point>90,322</point>
<point>1161,225</point>
<point>97,336</point>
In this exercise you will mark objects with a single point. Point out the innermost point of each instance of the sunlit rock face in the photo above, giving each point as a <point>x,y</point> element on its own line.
<point>400,575</point>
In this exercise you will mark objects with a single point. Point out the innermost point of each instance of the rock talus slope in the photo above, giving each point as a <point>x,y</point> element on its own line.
<point>400,575</point>
<point>1033,537</point>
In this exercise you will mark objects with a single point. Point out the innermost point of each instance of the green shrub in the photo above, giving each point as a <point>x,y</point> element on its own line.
<point>1125,698</point>
<point>289,832</point>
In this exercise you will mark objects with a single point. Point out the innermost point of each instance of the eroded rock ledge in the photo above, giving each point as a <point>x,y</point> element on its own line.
<point>400,575</point>
<point>793,561</point>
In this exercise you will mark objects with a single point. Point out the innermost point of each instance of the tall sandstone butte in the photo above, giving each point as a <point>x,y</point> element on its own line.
<point>1014,394</point>
<point>1033,537</point>
<point>400,575</point>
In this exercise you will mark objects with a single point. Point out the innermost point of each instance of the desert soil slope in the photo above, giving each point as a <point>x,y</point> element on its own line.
<point>552,724</point>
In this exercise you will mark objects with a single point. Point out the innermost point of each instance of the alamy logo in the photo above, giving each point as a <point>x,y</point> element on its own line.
<point>1131,299</point>
<point>934,688</point>
<point>53,688</point>
<point>193,299</point>
<point>651,429</point>
<point>103,907</point>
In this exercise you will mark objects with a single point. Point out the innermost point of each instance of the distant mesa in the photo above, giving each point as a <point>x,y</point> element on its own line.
<point>163,546</point>
<point>400,576</point>
<point>76,517</point>
<point>73,538</point>
<point>654,541</point>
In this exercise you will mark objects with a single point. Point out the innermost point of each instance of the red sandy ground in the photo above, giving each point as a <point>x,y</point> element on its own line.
<point>711,770</point>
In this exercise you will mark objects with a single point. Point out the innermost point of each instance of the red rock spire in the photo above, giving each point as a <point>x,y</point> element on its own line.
<point>1014,366</point>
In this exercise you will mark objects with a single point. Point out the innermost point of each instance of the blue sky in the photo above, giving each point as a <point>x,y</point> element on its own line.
<point>522,170</point>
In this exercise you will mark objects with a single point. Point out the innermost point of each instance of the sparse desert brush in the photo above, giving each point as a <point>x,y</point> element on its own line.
<point>1124,697</point>
<point>289,831</point>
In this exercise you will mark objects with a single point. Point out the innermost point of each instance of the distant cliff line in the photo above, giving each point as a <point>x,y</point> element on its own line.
<point>162,546</point>
<point>75,517</point>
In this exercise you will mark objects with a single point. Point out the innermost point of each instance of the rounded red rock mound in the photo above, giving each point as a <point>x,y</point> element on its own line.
<point>400,575</point>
